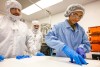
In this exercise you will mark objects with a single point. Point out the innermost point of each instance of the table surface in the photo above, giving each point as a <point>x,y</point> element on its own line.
<point>45,61</point>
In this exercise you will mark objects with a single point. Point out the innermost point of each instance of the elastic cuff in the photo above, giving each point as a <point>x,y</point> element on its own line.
<point>82,45</point>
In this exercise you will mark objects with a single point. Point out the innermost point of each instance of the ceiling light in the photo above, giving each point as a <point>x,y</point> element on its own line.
<point>47,3</point>
<point>31,9</point>
<point>42,4</point>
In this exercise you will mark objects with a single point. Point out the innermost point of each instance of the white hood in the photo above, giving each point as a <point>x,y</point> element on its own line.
<point>35,23</point>
<point>13,4</point>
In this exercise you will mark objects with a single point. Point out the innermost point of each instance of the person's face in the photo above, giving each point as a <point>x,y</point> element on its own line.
<point>36,26</point>
<point>75,16</point>
<point>15,11</point>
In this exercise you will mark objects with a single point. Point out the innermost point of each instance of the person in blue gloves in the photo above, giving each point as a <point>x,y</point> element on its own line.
<point>68,38</point>
<point>1,58</point>
<point>15,37</point>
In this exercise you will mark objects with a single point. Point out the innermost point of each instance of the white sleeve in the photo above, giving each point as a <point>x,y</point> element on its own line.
<point>30,43</point>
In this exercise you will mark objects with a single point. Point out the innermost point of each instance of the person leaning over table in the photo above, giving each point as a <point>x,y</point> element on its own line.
<point>68,38</point>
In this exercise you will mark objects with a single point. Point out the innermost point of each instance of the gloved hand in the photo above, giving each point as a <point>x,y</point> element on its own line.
<point>73,55</point>
<point>22,56</point>
<point>81,51</point>
<point>40,54</point>
<point>1,58</point>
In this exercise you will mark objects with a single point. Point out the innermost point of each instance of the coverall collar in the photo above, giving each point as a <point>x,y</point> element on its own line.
<point>67,25</point>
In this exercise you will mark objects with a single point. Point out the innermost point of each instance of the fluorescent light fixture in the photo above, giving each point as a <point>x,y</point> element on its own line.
<point>47,3</point>
<point>42,3</point>
<point>31,9</point>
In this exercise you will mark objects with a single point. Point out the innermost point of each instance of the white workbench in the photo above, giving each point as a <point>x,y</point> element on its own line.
<point>45,61</point>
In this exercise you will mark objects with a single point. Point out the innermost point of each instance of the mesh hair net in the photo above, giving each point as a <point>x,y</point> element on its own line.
<point>73,8</point>
<point>13,4</point>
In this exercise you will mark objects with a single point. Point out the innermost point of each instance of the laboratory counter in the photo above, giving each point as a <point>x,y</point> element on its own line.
<point>45,61</point>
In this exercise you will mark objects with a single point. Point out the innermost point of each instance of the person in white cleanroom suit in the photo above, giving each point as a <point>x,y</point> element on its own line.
<point>15,37</point>
<point>37,34</point>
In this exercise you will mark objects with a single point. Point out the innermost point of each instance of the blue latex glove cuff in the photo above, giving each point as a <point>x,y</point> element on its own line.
<point>1,58</point>
<point>40,54</point>
<point>22,56</point>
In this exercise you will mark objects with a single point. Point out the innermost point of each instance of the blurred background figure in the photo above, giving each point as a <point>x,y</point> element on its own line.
<point>37,35</point>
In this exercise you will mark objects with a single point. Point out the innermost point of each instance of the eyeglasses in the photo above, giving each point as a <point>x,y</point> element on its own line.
<point>75,15</point>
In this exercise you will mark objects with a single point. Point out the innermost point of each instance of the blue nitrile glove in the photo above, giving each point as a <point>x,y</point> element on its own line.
<point>81,51</point>
<point>40,54</point>
<point>22,56</point>
<point>73,55</point>
<point>1,58</point>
